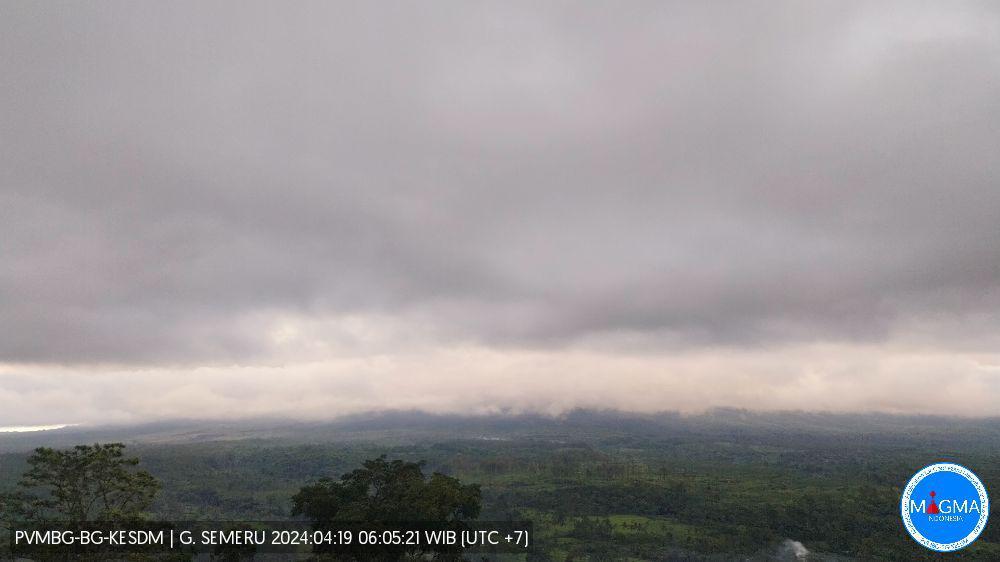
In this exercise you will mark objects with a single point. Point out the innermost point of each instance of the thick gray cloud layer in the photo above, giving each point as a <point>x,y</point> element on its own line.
<point>173,176</point>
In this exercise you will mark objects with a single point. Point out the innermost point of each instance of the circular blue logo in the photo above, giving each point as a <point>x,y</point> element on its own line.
<point>945,507</point>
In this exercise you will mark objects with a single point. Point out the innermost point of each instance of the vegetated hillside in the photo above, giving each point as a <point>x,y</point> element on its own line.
<point>600,484</point>
<point>967,433</point>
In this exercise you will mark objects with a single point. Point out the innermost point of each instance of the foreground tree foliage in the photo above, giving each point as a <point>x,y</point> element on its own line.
<point>86,483</point>
<point>389,491</point>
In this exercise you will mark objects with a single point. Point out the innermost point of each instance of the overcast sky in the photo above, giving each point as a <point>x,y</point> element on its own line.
<point>220,209</point>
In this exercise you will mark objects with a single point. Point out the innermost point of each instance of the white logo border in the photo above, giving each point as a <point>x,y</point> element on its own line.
<point>984,506</point>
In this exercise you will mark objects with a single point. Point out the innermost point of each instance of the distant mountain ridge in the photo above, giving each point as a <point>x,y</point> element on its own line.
<point>410,425</point>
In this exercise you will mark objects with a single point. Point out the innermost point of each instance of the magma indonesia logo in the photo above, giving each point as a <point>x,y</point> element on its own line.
<point>945,507</point>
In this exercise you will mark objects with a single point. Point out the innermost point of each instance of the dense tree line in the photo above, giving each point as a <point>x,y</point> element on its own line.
<point>687,499</point>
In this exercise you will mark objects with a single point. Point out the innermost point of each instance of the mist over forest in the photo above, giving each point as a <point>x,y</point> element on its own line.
<point>598,485</point>
<point>661,279</point>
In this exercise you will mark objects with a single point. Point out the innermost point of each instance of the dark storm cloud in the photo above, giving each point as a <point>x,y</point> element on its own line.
<point>509,173</point>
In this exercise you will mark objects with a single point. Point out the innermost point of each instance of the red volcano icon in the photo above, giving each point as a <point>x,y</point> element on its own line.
<point>932,508</point>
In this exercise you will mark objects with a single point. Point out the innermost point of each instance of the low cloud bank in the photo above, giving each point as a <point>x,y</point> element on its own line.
<point>481,380</point>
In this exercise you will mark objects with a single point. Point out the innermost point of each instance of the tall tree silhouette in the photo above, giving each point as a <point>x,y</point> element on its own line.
<point>383,492</point>
<point>86,483</point>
